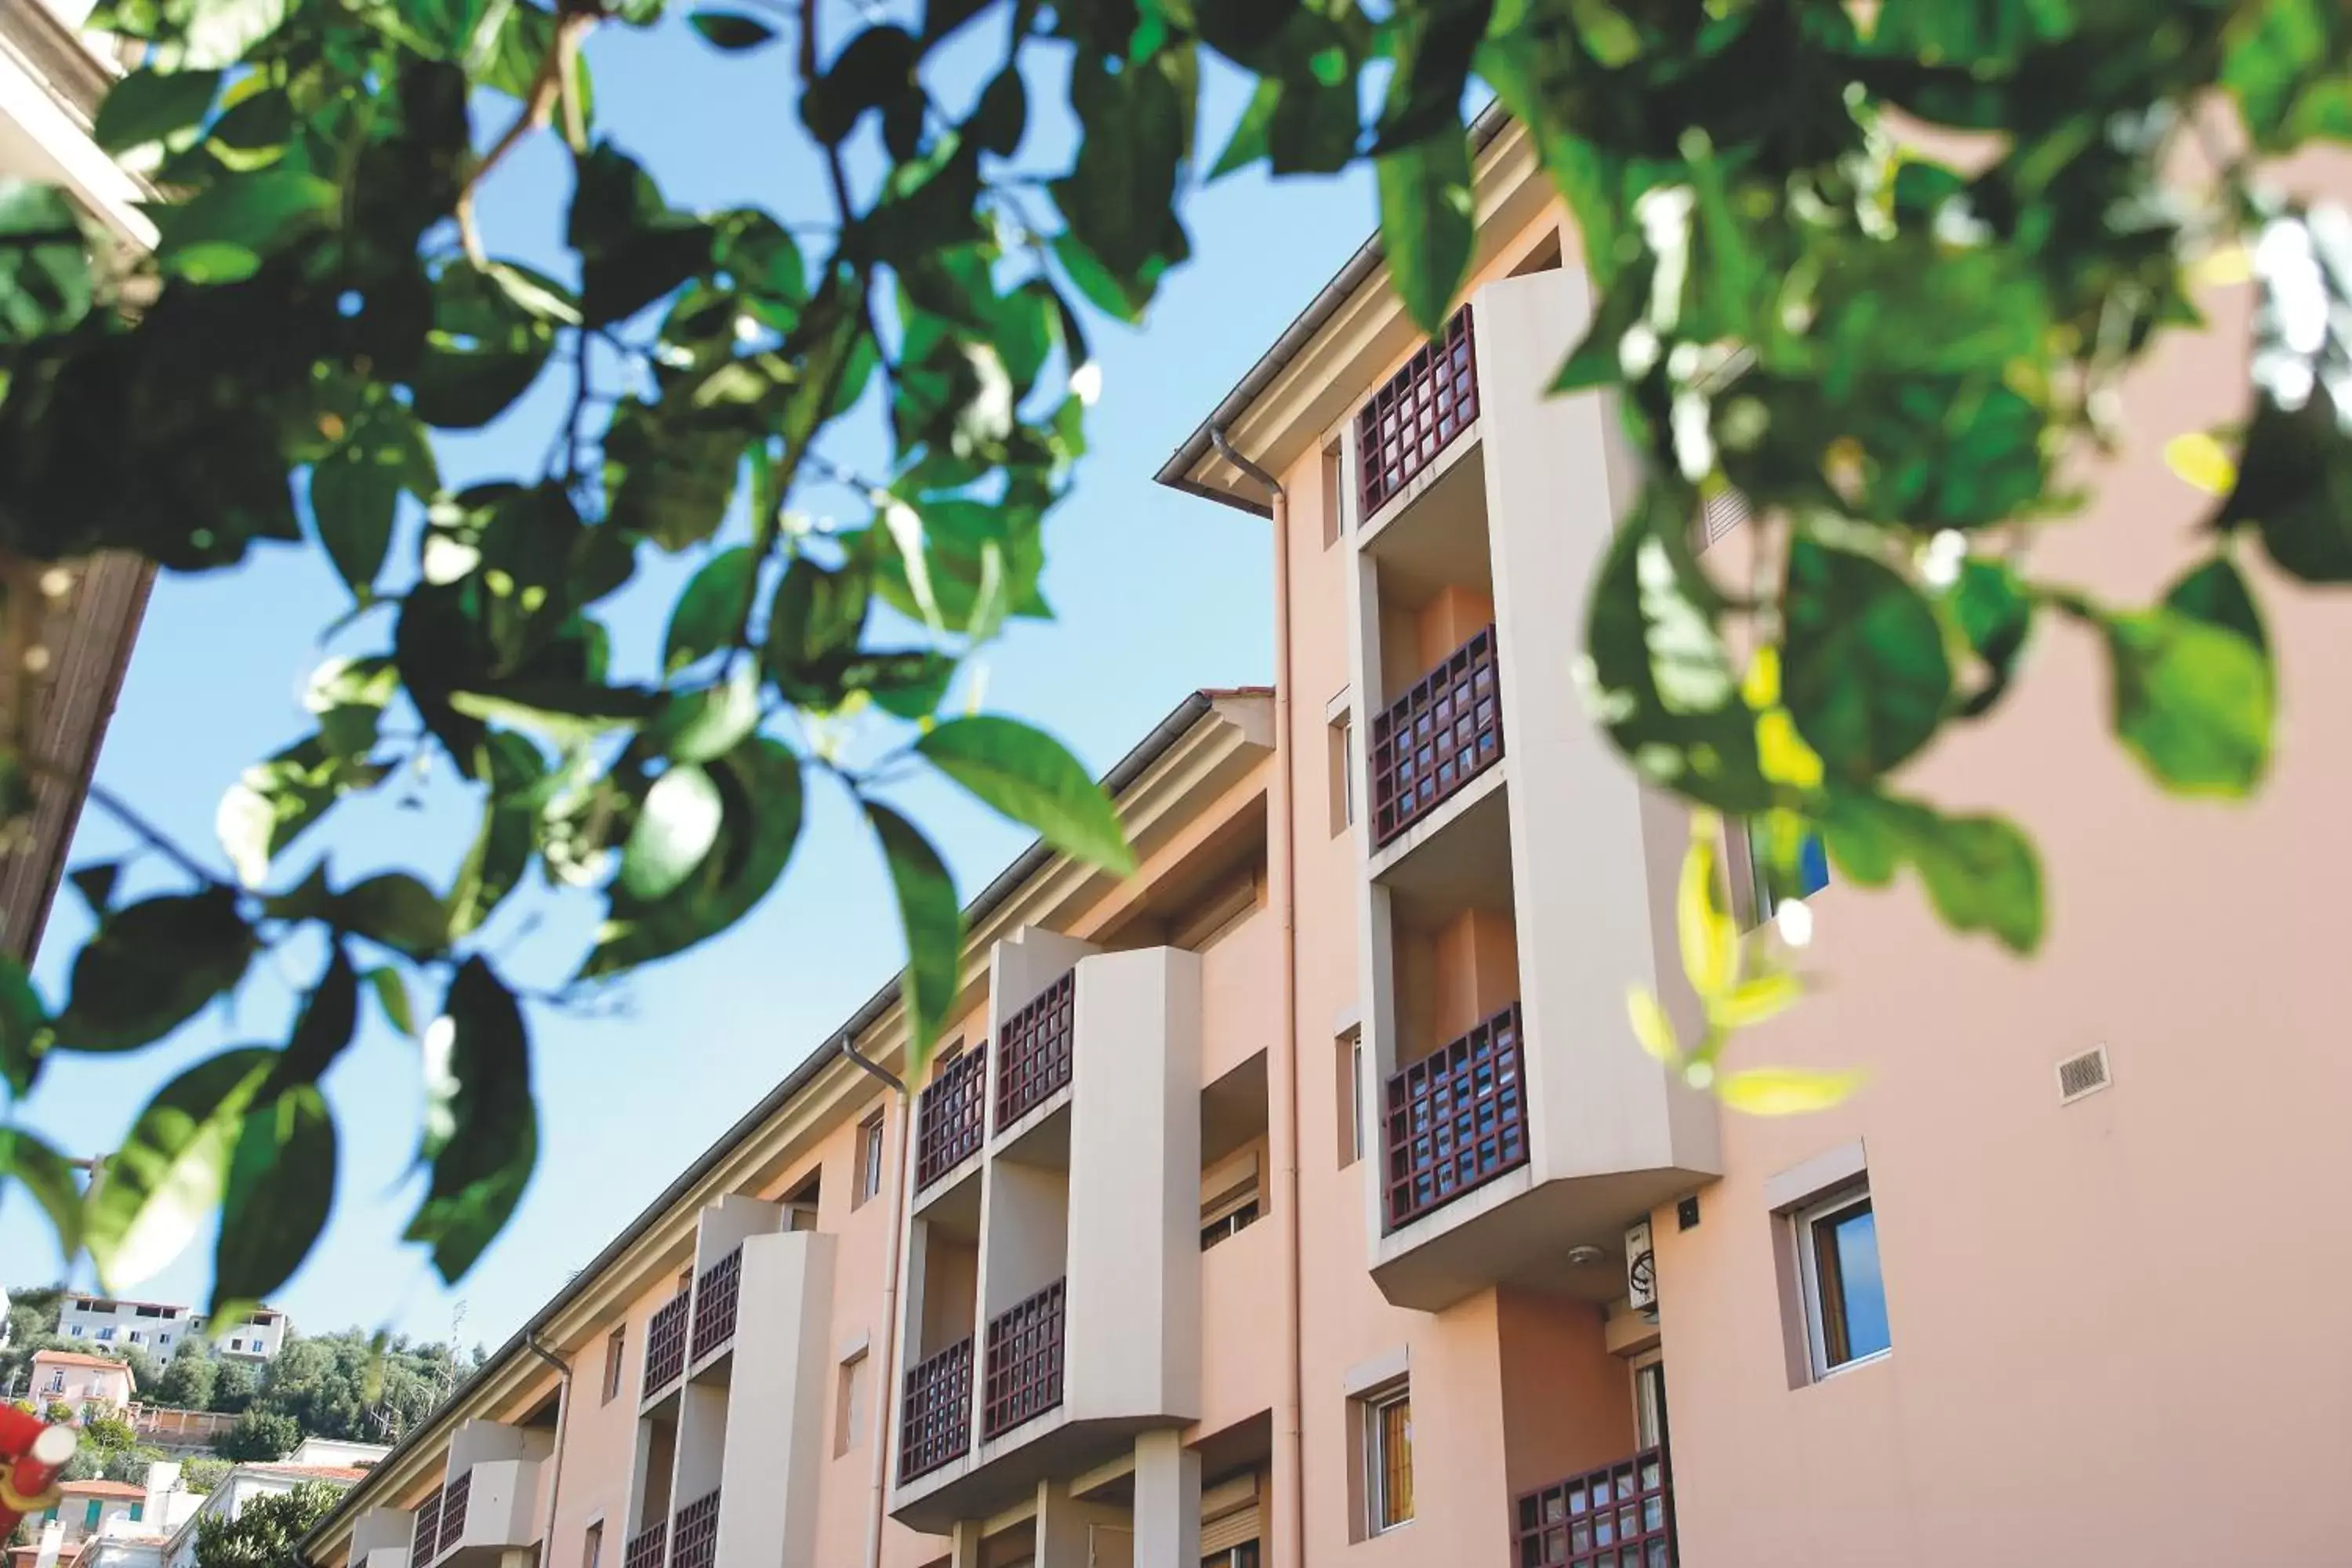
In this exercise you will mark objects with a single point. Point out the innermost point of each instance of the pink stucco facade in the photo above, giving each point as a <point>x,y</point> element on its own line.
<point>1133,1277</point>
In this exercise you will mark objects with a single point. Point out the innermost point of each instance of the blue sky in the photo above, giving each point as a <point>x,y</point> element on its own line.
<point>1157,593</point>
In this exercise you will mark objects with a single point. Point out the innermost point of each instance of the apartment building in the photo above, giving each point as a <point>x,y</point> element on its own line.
<point>162,1328</point>
<point>1303,1199</point>
<point>66,630</point>
<point>83,1382</point>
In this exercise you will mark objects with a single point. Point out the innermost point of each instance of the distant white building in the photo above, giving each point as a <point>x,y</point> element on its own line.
<point>160,1327</point>
<point>247,1482</point>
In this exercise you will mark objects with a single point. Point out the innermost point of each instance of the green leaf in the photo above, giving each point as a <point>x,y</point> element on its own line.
<point>1995,616</point>
<point>668,475</point>
<point>147,105</point>
<point>730,30</point>
<point>396,909</point>
<point>1032,778</point>
<point>1785,1092</point>
<point>487,344</point>
<point>1427,223</point>
<point>695,725</point>
<point>1863,671</point>
<point>2216,595</point>
<point>44,284</point>
<point>674,829</point>
<point>42,1171</point>
<point>328,1019</point>
<point>355,490</point>
<point>815,619</point>
<point>934,927</point>
<point>274,801</point>
<point>151,966</point>
<point>759,786</point>
<point>2194,701</point>
<point>874,68</point>
<point>1249,140</point>
<point>391,995</point>
<point>1981,872</point>
<point>25,1034</point>
<point>481,1126</point>
<point>1119,196</point>
<point>709,613</point>
<point>172,1167</point>
<point>225,232</point>
<point>95,883</point>
<point>280,1189</point>
<point>502,850</point>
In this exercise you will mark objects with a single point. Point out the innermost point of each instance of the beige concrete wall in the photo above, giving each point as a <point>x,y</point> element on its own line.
<point>2098,1311</point>
<point>1240,974</point>
<point>1132,1337</point>
<point>779,1382</point>
<point>600,1444</point>
<point>1581,863</point>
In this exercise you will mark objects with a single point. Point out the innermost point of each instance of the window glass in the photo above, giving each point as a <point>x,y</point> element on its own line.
<point>1845,1294</point>
<point>1391,1461</point>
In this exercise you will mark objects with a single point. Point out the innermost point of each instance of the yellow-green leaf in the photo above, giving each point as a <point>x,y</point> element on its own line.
<point>1785,1092</point>
<point>1651,1025</point>
<point>1756,1000</point>
<point>1710,942</point>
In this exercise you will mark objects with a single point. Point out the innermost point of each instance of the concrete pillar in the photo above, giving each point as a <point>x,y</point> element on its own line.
<point>1167,1503</point>
<point>1075,1534</point>
<point>963,1544</point>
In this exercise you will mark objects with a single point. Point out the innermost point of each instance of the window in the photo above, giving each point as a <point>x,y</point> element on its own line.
<point>237,1344</point>
<point>57,1382</point>
<point>1340,746</point>
<point>1335,496</point>
<point>1387,1460</point>
<point>137,1337</point>
<point>90,1514</point>
<point>76,1330</point>
<point>851,1399</point>
<point>1229,1197</point>
<point>615,1350</point>
<point>1844,1296</point>
<point>1348,1090</point>
<point>163,1339</point>
<point>107,1333</point>
<point>593,1547</point>
<point>869,1160</point>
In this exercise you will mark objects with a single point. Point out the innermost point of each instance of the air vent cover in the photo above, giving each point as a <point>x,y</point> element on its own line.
<point>2081,1075</point>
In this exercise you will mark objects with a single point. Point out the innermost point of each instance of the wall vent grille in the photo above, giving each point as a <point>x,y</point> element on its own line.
<point>2081,1075</point>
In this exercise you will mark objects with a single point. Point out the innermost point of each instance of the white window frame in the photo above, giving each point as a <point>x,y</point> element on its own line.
<point>1809,1277</point>
<point>1356,1095</point>
<point>871,1137</point>
<point>1376,1470</point>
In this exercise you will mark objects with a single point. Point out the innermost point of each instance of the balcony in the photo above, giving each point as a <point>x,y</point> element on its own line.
<point>1455,1119</point>
<point>950,1124</point>
<point>1621,1516</point>
<point>1410,422</point>
<point>425,1545</point>
<point>1429,743</point>
<point>1033,1051</point>
<point>715,1295</point>
<point>1024,1363</point>
<point>935,1416</point>
<point>644,1549</point>
<point>665,1346</point>
<point>698,1534</point>
<point>455,1499</point>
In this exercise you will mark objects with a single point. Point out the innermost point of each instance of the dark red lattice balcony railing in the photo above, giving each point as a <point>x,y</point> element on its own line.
<point>644,1549</point>
<point>1455,1119</point>
<point>949,1121</point>
<point>1436,737</point>
<point>1033,1050</point>
<point>935,1413</point>
<point>1622,1515</point>
<point>714,1311</point>
<point>698,1534</point>
<point>665,1345</point>
<point>425,1536</point>
<point>1401,431</point>
<point>1024,1362</point>
<point>454,1499</point>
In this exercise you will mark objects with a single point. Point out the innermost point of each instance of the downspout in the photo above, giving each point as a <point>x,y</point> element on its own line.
<point>1289,1457</point>
<point>886,1373</point>
<point>562,1412</point>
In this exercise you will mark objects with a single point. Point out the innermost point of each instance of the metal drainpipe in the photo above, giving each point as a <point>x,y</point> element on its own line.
<point>887,1371</point>
<point>1290,1452</point>
<point>562,1409</point>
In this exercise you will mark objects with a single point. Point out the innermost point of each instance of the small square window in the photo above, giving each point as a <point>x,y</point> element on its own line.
<point>615,1350</point>
<point>869,1160</point>
<point>1844,1292</point>
<point>1388,1460</point>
